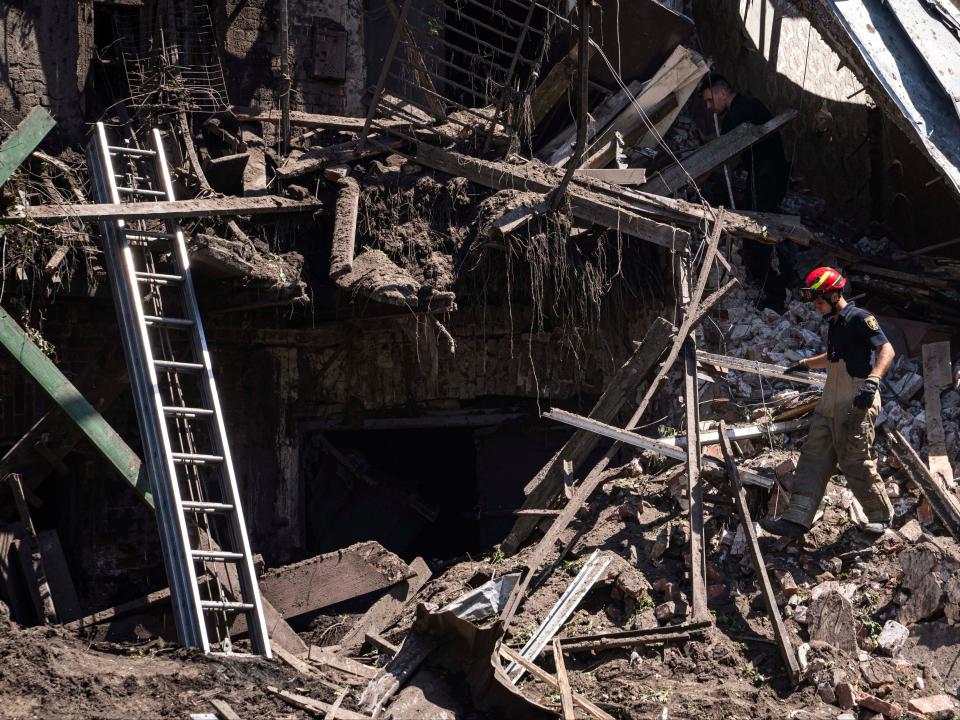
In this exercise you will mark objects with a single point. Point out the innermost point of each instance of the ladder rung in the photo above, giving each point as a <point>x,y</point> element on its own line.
<point>120,150</point>
<point>178,366</point>
<point>206,506</point>
<point>225,605</point>
<point>138,191</point>
<point>167,321</point>
<point>195,458</point>
<point>150,235</point>
<point>179,410</point>
<point>157,277</point>
<point>216,555</point>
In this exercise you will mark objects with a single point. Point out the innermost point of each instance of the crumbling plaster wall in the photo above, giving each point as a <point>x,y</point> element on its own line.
<point>273,380</point>
<point>768,49</point>
<point>46,47</point>
<point>252,63</point>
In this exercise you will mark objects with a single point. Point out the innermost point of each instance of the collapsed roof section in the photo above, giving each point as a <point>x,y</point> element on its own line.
<point>905,52</point>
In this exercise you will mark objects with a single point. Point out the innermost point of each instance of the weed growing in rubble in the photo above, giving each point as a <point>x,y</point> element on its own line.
<point>753,675</point>
<point>654,696</point>
<point>497,557</point>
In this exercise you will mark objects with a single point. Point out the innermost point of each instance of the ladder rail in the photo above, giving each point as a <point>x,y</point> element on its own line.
<point>247,576</point>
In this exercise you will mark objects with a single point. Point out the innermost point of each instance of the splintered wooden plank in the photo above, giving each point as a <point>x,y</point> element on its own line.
<point>312,121</point>
<point>543,676</point>
<point>314,707</point>
<point>936,378</point>
<point>546,486</point>
<point>328,579</point>
<point>558,150</point>
<point>944,503</point>
<point>670,87</point>
<point>714,153</point>
<point>208,207</point>
<point>55,384</point>
<point>57,570</point>
<point>555,84</point>
<point>587,205</point>
<point>787,651</point>
<point>23,141</point>
<point>563,682</point>
<point>386,609</point>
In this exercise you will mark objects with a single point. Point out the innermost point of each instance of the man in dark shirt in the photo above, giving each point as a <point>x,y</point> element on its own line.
<point>767,175</point>
<point>842,431</point>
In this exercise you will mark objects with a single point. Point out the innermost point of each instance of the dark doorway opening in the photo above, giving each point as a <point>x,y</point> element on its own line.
<point>436,492</point>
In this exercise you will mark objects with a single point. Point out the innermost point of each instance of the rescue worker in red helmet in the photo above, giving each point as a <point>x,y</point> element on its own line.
<point>842,431</point>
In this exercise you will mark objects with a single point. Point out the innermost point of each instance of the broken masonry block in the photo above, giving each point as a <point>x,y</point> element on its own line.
<point>892,637</point>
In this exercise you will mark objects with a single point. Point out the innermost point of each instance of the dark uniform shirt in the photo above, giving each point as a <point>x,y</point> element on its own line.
<point>851,337</point>
<point>766,165</point>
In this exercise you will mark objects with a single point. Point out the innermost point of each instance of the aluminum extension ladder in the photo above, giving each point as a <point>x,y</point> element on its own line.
<point>205,546</point>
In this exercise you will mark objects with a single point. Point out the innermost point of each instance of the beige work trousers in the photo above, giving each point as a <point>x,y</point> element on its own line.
<point>840,435</point>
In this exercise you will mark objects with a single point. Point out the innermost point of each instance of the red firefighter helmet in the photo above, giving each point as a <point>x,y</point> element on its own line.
<point>822,280</point>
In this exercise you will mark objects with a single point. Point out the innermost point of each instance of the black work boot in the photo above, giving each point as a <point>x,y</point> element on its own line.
<point>784,528</point>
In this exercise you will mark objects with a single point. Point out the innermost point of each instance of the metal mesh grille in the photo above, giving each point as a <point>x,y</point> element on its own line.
<point>170,71</point>
<point>462,61</point>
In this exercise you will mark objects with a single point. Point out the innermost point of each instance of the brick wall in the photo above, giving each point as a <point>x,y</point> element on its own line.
<point>46,49</point>
<point>252,40</point>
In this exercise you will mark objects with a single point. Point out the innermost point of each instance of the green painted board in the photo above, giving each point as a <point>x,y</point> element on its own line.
<point>23,141</point>
<point>66,395</point>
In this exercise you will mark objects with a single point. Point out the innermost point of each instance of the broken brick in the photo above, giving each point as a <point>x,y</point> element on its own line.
<point>889,710</point>
<point>785,468</point>
<point>846,695</point>
<point>788,586</point>
<point>934,707</point>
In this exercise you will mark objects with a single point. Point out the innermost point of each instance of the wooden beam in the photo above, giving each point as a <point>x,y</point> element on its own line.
<point>615,176</point>
<point>55,384</point>
<point>344,228</point>
<point>376,641</point>
<point>314,707</point>
<point>547,484</point>
<point>941,499</point>
<point>937,377</point>
<point>678,77</point>
<point>760,368</point>
<point>223,709</point>
<point>646,443</point>
<point>333,577</point>
<point>632,638</point>
<point>385,610</point>
<point>312,121</point>
<point>314,160</point>
<point>32,560</point>
<point>322,656</point>
<point>691,402</point>
<point>555,84</point>
<point>558,151</point>
<point>588,205</point>
<point>743,432</point>
<point>210,207</point>
<point>714,153</point>
<point>787,651</point>
<point>543,676</point>
<point>23,141</point>
<point>563,683</point>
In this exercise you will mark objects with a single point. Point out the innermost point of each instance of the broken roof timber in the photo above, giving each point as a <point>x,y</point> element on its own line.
<point>890,62</point>
<point>587,204</point>
<point>209,207</point>
<point>23,141</point>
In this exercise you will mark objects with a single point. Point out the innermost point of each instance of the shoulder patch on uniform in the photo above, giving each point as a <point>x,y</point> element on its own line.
<point>871,322</point>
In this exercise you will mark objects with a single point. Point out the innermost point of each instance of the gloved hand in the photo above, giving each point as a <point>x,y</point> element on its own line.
<point>799,367</point>
<point>866,393</point>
